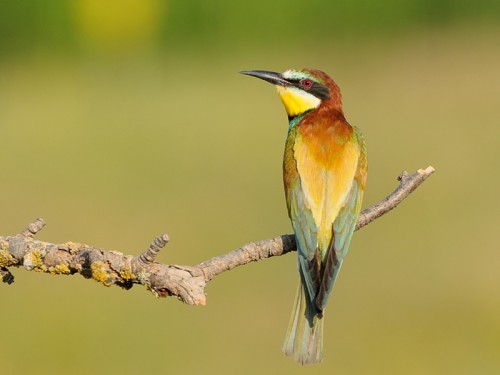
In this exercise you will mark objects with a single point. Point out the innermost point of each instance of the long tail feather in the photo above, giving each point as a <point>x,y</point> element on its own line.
<point>304,336</point>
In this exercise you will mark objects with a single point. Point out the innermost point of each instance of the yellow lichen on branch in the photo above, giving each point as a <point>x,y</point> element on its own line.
<point>6,259</point>
<point>100,273</point>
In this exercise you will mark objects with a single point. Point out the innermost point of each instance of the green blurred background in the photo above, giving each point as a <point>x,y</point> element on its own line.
<point>124,119</point>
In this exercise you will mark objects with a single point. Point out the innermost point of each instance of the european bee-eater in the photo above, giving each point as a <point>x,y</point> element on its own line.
<point>324,172</point>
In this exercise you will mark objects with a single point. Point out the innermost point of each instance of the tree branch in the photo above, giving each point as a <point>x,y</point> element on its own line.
<point>187,283</point>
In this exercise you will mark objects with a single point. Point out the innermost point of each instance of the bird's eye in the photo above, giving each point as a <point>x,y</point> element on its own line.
<point>306,83</point>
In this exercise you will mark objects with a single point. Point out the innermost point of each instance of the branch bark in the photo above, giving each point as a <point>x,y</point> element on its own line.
<point>187,283</point>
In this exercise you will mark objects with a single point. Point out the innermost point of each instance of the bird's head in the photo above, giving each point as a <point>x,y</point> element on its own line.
<point>302,90</point>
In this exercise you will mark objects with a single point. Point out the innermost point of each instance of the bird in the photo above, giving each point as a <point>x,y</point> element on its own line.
<point>324,174</point>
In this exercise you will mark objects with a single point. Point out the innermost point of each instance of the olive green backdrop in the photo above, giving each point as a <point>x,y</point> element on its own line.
<point>121,120</point>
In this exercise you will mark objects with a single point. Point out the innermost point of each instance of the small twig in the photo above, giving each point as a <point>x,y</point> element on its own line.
<point>185,282</point>
<point>33,228</point>
<point>149,255</point>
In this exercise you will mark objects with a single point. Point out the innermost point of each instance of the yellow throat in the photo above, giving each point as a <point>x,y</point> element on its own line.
<point>297,101</point>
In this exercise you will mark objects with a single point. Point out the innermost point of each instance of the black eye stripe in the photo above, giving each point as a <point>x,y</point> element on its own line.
<point>320,91</point>
<point>317,89</point>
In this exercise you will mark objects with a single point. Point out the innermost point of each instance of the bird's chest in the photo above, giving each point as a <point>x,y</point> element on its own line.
<point>325,161</point>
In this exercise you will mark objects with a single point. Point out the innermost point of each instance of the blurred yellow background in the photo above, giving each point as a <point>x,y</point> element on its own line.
<point>121,120</point>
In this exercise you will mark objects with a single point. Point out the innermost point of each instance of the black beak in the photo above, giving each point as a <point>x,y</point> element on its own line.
<point>272,77</point>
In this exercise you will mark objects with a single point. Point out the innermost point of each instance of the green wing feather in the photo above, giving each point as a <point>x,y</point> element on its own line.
<point>301,216</point>
<point>343,229</point>
<point>303,223</point>
<point>305,230</point>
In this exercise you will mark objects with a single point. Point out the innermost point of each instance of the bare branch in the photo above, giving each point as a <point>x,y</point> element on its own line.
<point>254,251</point>
<point>187,283</point>
<point>406,186</point>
